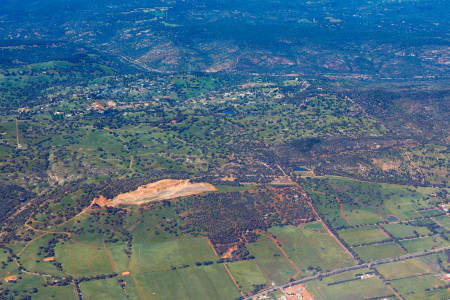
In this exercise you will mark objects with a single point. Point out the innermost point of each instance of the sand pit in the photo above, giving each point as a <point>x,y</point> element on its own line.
<point>156,191</point>
<point>51,258</point>
<point>11,278</point>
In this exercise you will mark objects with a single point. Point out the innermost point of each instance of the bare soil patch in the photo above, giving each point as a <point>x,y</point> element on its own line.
<point>11,278</point>
<point>161,190</point>
<point>297,292</point>
<point>51,258</point>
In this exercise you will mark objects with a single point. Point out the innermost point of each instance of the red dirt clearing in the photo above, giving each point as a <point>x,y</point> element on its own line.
<point>297,292</point>
<point>11,278</point>
<point>51,258</point>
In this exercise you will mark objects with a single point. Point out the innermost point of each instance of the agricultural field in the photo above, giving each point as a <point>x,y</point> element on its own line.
<point>161,256</point>
<point>422,287</point>
<point>425,243</point>
<point>349,286</point>
<point>406,268</point>
<point>443,220</point>
<point>102,289</point>
<point>406,230</point>
<point>311,249</point>
<point>318,131</point>
<point>368,203</point>
<point>362,235</point>
<point>374,252</point>
<point>271,261</point>
<point>248,275</point>
<point>205,282</point>
<point>34,287</point>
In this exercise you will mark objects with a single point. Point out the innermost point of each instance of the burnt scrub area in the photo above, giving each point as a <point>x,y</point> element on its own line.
<point>233,219</point>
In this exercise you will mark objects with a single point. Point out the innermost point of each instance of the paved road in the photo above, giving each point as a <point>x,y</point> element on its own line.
<point>342,270</point>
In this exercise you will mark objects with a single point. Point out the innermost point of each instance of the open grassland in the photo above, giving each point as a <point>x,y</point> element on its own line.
<point>348,290</point>
<point>102,289</point>
<point>374,252</point>
<point>404,268</point>
<point>425,243</point>
<point>311,249</point>
<point>206,282</point>
<point>271,261</point>
<point>404,230</point>
<point>361,235</point>
<point>248,275</point>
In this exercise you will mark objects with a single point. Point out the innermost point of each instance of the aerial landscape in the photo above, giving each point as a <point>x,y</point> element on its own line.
<point>224,150</point>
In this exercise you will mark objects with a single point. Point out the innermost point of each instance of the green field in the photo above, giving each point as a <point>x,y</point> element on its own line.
<point>426,243</point>
<point>366,202</point>
<point>444,221</point>
<point>102,289</point>
<point>403,268</point>
<point>311,249</point>
<point>247,275</point>
<point>404,230</point>
<point>374,252</point>
<point>361,235</point>
<point>161,256</point>
<point>206,282</point>
<point>32,287</point>
<point>271,261</point>
<point>8,266</point>
<point>83,259</point>
<point>415,287</point>
<point>32,257</point>
<point>351,290</point>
